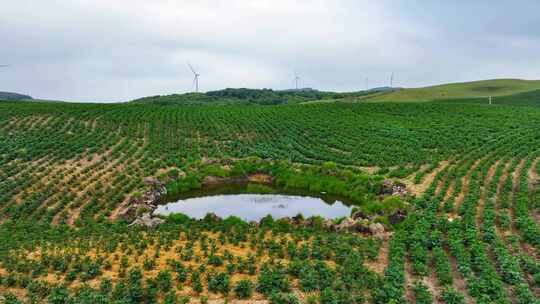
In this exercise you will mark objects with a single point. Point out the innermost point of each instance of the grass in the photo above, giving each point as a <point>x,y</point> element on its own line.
<point>474,89</point>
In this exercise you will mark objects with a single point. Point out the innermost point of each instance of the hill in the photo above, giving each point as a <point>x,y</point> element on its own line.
<point>249,96</point>
<point>13,96</point>
<point>531,98</point>
<point>483,88</point>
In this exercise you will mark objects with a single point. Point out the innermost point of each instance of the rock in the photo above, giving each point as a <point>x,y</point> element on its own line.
<point>376,229</point>
<point>150,180</point>
<point>260,178</point>
<point>387,187</point>
<point>398,217</point>
<point>346,224</point>
<point>329,224</point>
<point>147,220</point>
<point>399,189</point>
<point>129,213</point>
<point>359,215</point>
<point>298,219</point>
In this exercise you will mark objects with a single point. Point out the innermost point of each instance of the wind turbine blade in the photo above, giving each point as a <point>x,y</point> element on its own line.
<point>192,69</point>
<point>3,65</point>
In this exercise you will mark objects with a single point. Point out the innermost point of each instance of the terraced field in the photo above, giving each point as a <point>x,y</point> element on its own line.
<point>471,234</point>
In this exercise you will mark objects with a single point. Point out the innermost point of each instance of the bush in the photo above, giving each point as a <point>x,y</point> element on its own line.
<point>283,298</point>
<point>421,294</point>
<point>272,280</point>
<point>164,281</point>
<point>219,283</point>
<point>243,289</point>
<point>451,296</point>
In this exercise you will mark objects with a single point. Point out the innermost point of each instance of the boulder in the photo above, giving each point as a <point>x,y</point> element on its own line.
<point>298,219</point>
<point>150,180</point>
<point>397,217</point>
<point>387,186</point>
<point>376,229</point>
<point>329,224</point>
<point>346,224</point>
<point>147,220</point>
<point>128,214</point>
<point>359,215</point>
<point>399,189</point>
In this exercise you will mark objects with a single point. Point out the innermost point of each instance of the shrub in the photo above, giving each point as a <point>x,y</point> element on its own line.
<point>272,280</point>
<point>243,289</point>
<point>219,283</point>
<point>283,298</point>
<point>451,296</point>
<point>163,280</point>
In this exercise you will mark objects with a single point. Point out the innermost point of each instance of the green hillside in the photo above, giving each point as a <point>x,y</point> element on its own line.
<point>249,96</point>
<point>483,88</point>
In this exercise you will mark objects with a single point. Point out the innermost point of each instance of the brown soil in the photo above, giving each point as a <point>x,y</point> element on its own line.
<point>465,185</point>
<point>481,202</point>
<point>458,282</point>
<point>381,262</point>
<point>419,189</point>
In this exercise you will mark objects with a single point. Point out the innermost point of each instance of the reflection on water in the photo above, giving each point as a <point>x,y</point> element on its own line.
<point>253,207</point>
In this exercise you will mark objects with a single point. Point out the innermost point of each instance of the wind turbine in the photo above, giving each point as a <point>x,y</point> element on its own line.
<point>296,78</point>
<point>195,79</point>
<point>392,80</point>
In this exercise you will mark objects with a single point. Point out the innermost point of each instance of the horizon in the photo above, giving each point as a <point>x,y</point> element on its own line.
<point>37,98</point>
<point>100,51</point>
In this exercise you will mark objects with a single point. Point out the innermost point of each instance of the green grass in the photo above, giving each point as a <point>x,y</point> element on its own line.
<point>475,89</point>
<point>531,98</point>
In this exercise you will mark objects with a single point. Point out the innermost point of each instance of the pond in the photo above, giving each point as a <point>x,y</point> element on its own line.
<point>255,206</point>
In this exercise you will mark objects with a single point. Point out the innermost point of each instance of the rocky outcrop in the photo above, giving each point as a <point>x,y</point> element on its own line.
<point>398,217</point>
<point>140,206</point>
<point>390,187</point>
<point>259,178</point>
<point>147,220</point>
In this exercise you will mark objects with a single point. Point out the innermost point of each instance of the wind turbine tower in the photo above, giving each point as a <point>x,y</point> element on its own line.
<point>296,79</point>
<point>195,79</point>
<point>392,81</point>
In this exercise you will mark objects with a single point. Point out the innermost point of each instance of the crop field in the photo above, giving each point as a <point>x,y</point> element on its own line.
<point>471,233</point>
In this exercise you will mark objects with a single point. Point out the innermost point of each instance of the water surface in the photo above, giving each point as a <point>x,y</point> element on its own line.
<point>253,207</point>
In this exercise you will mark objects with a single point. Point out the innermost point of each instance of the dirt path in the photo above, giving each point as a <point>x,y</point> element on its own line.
<point>379,265</point>
<point>533,182</point>
<point>482,201</point>
<point>419,189</point>
<point>500,185</point>
<point>465,184</point>
<point>409,281</point>
<point>432,283</point>
<point>526,248</point>
<point>458,282</point>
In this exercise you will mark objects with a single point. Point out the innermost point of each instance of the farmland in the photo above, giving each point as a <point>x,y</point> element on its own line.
<point>471,232</point>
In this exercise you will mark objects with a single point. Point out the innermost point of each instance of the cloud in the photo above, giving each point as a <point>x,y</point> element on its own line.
<point>119,50</point>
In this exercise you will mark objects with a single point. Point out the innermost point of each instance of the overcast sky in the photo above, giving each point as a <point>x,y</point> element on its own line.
<point>117,50</point>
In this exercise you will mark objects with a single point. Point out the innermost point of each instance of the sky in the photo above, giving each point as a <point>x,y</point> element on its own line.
<point>110,51</point>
